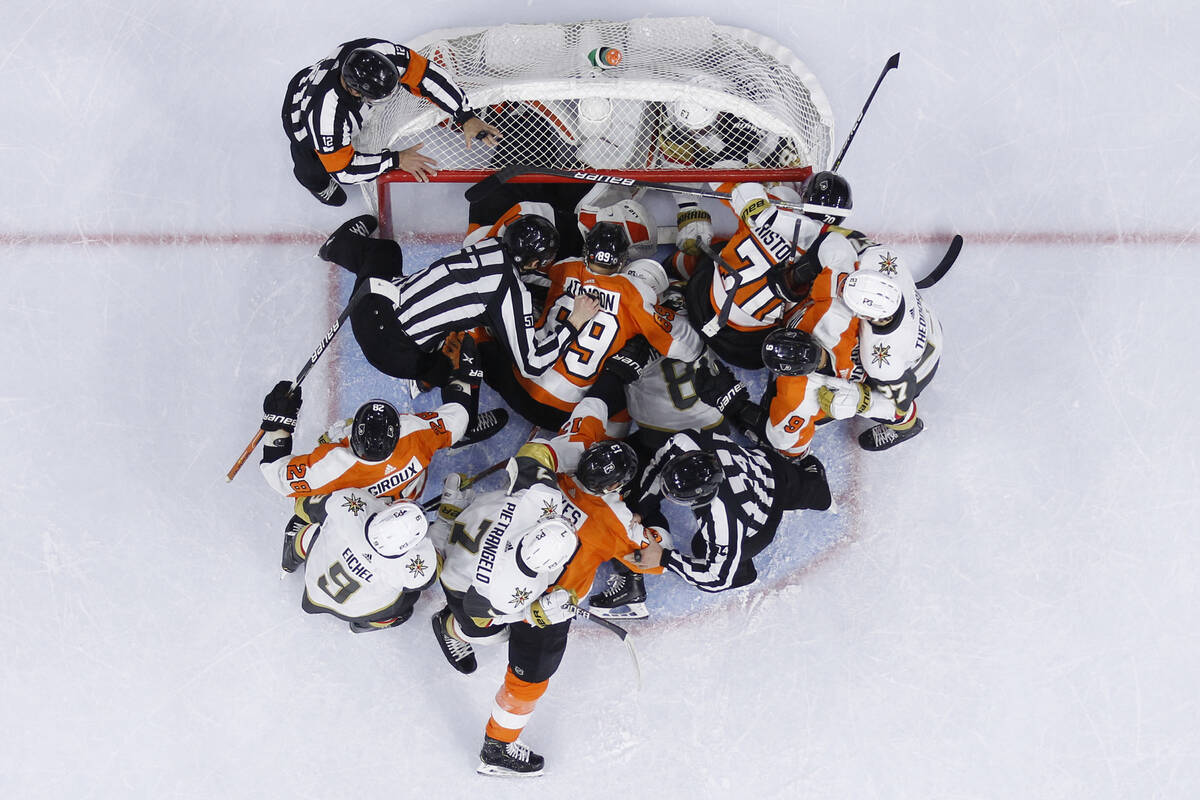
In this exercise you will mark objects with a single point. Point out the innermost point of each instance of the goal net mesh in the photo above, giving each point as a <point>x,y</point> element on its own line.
<point>644,95</point>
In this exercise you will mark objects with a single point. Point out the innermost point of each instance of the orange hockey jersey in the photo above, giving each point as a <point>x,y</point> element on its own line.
<point>401,475</point>
<point>627,308</point>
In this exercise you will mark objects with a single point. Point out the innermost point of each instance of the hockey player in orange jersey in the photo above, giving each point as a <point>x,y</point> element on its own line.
<point>628,309</point>
<point>770,276</point>
<point>379,450</point>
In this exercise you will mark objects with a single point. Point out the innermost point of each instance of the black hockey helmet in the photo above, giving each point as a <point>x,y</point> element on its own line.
<point>370,74</point>
<point>531,238</point>
<point>826,196</point>
<point>606,246</point>
<point>606,467</point>
<point>692,478</point>
<point>787,351</point>
<point>375,430</point>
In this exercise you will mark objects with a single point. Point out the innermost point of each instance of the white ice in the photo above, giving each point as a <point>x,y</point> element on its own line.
<point>1012,613</point>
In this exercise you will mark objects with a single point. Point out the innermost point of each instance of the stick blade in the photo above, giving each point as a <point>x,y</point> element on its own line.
<point>491,183</point>
<point>944,265</point>
<point>894,61</point>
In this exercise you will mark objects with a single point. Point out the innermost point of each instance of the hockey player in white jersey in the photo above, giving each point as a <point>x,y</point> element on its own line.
<point>503,553</point>
<point>900,346</point>
<point>365,562</point>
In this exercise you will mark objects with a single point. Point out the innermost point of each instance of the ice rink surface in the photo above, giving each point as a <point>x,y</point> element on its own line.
<point>1006,607</point>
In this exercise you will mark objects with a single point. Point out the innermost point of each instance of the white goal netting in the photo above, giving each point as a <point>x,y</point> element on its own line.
<point>648,94</point>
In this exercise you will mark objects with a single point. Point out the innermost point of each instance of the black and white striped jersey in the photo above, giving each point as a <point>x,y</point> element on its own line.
<point>732,524</point>
<point>479,285</point>
<point>320,113</point>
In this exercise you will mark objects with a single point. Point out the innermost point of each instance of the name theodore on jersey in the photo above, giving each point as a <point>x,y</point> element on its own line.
<point>491,543</point>
<point>398,478</point>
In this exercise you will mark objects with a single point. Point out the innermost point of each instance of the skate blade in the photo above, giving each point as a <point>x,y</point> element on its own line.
<point>502,772</point>
<point>631,611</point>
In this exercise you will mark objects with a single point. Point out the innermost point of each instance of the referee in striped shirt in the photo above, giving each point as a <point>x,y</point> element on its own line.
<point>402,324</point>
<point>323,110</point>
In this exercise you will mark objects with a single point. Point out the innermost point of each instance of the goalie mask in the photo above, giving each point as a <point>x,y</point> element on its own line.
<point>826,196</point>
<point>375,431</point>
<point>370,74</point>
<point>871,295</point>
<point>548,545</point>
<point>531,239</point>
<point>606,247</point>
<point>787,351</point>
<point>606,467</point>
<point>393,531</point>
<point>692,478</point>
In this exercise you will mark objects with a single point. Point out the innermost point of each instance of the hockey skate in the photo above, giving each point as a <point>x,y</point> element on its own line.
<point>460,654</point>
<point>292,559</point>
<point>508,759</point>
<point>883,436</point>
<point>487,424</point>
<point>359,626</point>
<point>331,195</point>
<point>363,225</point>
<point>625,597</point>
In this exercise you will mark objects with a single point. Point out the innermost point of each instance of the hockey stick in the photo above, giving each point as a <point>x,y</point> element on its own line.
<point>714,325</point>
<point>434,502</point>
<point>619,631</point>
<point>362,291</point>
<point>944,265</point>
<point>892,63</point>
<point>492,182</point>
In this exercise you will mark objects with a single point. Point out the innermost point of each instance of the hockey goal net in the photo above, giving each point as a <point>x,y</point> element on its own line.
<point>665,99</point>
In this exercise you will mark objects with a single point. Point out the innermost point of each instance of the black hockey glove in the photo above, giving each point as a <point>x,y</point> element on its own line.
<point>627,363</point>
<point>281,406</point>
<point>718,387</point>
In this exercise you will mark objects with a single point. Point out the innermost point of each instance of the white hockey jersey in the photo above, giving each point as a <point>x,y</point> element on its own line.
<point>481,554</point>
<point>900,357</point>
<point>345,576</point>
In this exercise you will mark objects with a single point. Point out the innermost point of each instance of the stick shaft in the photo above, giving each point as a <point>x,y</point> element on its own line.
<point>892,64</point>
<point>362,291</point>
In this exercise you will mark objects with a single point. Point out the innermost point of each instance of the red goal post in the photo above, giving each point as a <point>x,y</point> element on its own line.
<point>655,99</point>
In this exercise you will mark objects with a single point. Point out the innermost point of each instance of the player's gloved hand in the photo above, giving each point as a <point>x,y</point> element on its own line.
<point>281,406</point>
<point>843,399</point>
<point>718,387</point>
<point>693,228</point>
<point>628,362</point>
<point>470,367</point>
<point>551,609</point>
<point>455,496</point>
<point>748,200</point>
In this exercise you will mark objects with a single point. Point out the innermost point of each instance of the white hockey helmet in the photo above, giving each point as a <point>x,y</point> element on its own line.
<point>393,531</point>
<point>548,545</point>
<point>595,115</point>
<point>689,114</point>
<point>649,272</point>
<point>871,295</point>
